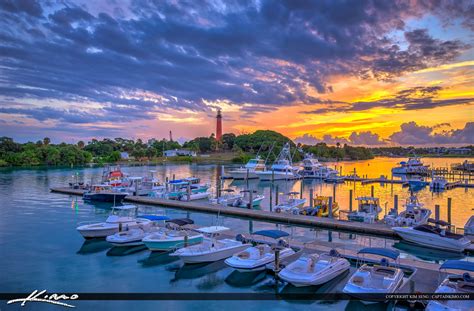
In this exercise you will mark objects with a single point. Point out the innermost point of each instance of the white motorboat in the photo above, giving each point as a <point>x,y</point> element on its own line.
<point>291,205</point>
<point>227,197</point>
<point>434,234</point>
<point>380,278</point>
<point>455,283</point>
<point>134,237</point>
<point>368,210</point>
<point>469,226</point>
<point>119,220</point>
<point>249,170</point>
<point>334,177</point>
<point>211,249</point>
<point>412,166</point>
<point>314,269</point>
<point>174,236</point>
<point>438,183</point>
<point>413,215</point>
<point>244,201</point>
<point>257,257</point>
<point>282,168</point>
<point>311,168</point>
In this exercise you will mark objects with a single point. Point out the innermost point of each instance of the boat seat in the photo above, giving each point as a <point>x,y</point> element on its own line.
<point>358,280</point>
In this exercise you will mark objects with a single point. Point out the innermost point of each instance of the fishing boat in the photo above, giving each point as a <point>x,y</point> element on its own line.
<point>311,167</point>
<point>134,237</point>
<point>211,249</point>
<point>469,226</point>
<point>257,257</point>
<point>368,210</point>
<point>249,170</point>
<point>455,283</point>
<point>104,193</point>
<point>244,200</point>
<point>179,190</point>
<point>381,278</point>
<point>438,183</point>
<point>291,205</point>
<point>121,219</point>
<point>174,236</point>
<point>434,234</point>
<point>314,269</point>
<point>281,169</point>
<point>413,215</point>
<point>412,166</point>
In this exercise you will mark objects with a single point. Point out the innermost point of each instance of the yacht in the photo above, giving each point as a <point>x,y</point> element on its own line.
<point>257,257</point>
<point>412,166</point>
<point>211,249</point>
<point>104,193</point>
<point>434,234</point>
<point>249,170</point>
<point>413,215</point>
<point>119,220</point>
<point>134,237</point>
<point>291,205</point>
<point>281,169</point>
<point>381,278</point>
<point>174,236</point>
<point>438,183</point>
<point>455,284</point>
<point>311,167</point>
<point>469,226</point>
<point>314,269</point>
<point>368,210</point>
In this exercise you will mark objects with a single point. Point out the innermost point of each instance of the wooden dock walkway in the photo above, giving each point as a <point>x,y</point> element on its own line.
<point>375,229</point>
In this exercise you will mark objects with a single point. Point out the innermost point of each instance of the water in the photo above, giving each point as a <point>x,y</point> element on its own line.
<point>41,248</point>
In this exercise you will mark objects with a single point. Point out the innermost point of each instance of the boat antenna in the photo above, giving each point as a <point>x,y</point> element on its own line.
<point>292,156</point>
<point>269,152</point>
<point>259,149</point>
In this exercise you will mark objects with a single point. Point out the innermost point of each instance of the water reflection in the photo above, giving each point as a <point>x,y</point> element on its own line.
<point>194,271</point>
<point>428,254</point>
<point>93,246</point>
<point>245,279</point>
<point>157,259</point>
<point>124,251</point>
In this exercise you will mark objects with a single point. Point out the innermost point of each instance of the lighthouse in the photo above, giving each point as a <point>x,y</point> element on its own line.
<point>219,125</point>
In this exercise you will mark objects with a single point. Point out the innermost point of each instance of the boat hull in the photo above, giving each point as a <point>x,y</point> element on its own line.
<point>168,245</point>
<point>214,256</point>
<point>431,240</point>
<point>104,197</point>
<point>242,175</point>
<point>269,175</point>
<point>300,280</point>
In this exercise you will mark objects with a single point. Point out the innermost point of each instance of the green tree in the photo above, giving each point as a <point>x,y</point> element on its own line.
<point>46,141</point>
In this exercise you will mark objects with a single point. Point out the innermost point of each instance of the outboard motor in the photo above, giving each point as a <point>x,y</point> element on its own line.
<point>241,238</point>
<point>467,277</point>
<point>282,243</point>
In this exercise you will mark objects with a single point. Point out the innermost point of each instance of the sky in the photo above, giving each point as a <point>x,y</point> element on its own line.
<point>374,73</point>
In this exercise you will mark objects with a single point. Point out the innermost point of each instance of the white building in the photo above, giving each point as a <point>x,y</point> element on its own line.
<point>180,152</point>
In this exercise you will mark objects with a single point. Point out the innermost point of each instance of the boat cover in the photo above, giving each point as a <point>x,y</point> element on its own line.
<point>275,234</point>
<point>458,265</point>
<point>181,221</point>
<point>154,217</point>
<point>393,254</point>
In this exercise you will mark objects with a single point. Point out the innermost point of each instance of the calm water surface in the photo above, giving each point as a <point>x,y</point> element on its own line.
<point>41,249</point>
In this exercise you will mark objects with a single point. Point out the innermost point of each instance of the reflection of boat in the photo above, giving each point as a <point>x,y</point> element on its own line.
<point>175,236</point>
<point>186,272</point>
<point>245,279</point>
<point>314,269</point>
<point>455,284</point>
<point>124,251</point>
<point>412,166</point>
<point>438,183</point>
<point>104,193</point>
<point>257,257</point>
<point>367,211</point>
<point>119,220</point>
<point>429,254</point>
<point>250,169</point>
<point>156,259</point>
<point>434,235</point>
<point>93,246</point>
<point>291,205</point>
<point>210,249</point>
<point>417,182</point>
<point>413,215</point>
<point>378,278</point>
<point>282,168</point>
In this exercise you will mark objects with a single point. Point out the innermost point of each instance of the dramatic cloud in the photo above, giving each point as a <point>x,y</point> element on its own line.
<point>361,139</point>
<point>414,134</point>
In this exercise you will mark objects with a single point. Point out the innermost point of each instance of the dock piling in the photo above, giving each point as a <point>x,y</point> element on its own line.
<point>276,195</point>
<point>311,194</point>
<point>449,209</point>
<point>188,190</point>
<point>395,203</point>
<point>173,176</point>
<point>301,189</point>
<point>250,199</point>
<point>372,191</point>
<point>277,260</point>
<point>350,200</point>
<point>330,207</point>
<point>437,212</point>
<point>334,192</point>
<point>271,197</point>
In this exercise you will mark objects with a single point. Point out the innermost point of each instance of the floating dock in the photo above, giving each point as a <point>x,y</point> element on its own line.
<point>375,229</point>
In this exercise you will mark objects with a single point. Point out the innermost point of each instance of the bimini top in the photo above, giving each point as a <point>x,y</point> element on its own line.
<point>181,221</point>
<point>212,229</point>
<point>275,234</point>
<point>458,265</point>
<point>393,254</point>
<point>154,217</point>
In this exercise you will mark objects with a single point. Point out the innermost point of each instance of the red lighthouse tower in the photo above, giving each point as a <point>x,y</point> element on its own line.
<point>219,126</point>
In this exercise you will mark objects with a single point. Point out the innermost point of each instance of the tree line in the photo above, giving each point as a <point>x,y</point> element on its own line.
<point>264,142</point>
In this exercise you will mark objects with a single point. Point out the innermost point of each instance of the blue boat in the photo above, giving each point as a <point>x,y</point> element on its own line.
<point>104,193</point>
